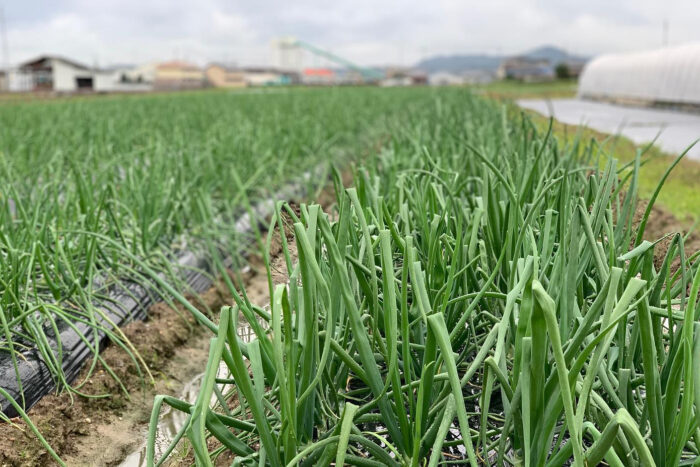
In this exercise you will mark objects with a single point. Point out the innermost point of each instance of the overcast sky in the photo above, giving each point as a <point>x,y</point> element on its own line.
<point>105,32</point>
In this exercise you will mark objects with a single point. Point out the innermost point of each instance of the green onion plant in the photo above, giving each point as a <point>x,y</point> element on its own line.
<point>481,295</point>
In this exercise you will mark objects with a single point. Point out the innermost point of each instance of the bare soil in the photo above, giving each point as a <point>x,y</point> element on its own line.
<point>660,224</point>
<point>100,431</point>
<point>257,290</point>
<point>103,431</point>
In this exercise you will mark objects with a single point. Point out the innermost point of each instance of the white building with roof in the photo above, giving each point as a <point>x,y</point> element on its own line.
<point>52,73</point>
<point>467,77</point>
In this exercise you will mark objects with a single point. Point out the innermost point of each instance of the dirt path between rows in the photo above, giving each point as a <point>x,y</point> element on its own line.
<point>103,431</point>
<point>660,224</point>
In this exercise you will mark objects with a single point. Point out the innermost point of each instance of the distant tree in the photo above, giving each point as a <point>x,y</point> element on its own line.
<point>562,71</point>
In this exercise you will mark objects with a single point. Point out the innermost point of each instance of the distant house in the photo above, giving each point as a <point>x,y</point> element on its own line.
<point>145,73</point>
<point>289,77</point>
<point>349,76</point>
<point>176,75</point>
<point>403,77</point>
<point>221,76</point>
<point>119,79</point>
<point>446,78</point>
<point>315,76</point>
<point>526,69</point>
<point>52,73</point>
<point>57,74</point>
<point>268,77</point>
<point>478,76</point>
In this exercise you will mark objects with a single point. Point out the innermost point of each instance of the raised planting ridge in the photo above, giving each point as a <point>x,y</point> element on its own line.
<point>482,295</point>
<point>98,196</point>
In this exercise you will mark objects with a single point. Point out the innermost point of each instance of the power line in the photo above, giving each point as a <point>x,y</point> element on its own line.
<point>3,38</point>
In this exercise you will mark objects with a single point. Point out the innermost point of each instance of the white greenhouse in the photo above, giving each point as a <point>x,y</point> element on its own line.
<point>664,76</point>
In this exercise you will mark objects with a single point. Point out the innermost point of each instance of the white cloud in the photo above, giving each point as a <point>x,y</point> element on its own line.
<point>365,31</point>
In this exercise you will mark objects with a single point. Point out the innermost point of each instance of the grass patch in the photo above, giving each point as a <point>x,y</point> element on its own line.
<point>680,194</point>
<point>510,89</point>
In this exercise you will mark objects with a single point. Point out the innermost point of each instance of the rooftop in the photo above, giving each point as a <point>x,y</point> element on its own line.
<point>43,58</point>
<point>318,72</point>
<point>178,65</point>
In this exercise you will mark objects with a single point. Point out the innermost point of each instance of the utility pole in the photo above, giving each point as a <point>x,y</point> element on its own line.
<point>664,33</point>
<point>5,47</point>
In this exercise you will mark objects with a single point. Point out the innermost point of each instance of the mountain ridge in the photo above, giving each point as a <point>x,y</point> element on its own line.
<point>487,62</point>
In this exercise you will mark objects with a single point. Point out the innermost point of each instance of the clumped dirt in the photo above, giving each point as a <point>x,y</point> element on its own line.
<point>257,289</point>
<point>100,431</point>
<point>103,431</point>
<point>660,224</point>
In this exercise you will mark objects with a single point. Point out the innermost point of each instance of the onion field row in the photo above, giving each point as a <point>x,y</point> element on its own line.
<point>94,192</point>
<point>481,295</point>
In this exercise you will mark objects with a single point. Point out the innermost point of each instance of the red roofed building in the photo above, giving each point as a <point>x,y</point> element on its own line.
<point>318,76</point>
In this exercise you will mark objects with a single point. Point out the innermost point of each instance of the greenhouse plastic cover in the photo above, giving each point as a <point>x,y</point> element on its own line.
<point>669,75</point>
